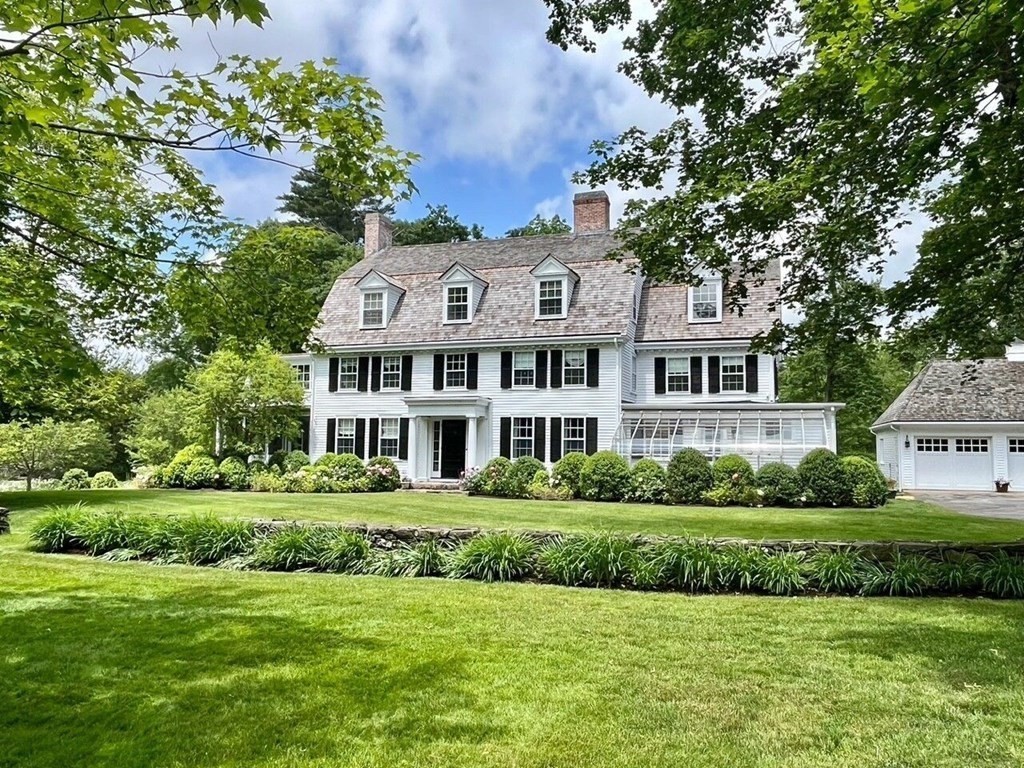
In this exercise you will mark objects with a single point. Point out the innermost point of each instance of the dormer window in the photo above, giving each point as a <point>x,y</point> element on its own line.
<point>550,298</point>
<point>706,302</point>
<point>457,304</point>
<point>554,283</point>
<point>373,309</point>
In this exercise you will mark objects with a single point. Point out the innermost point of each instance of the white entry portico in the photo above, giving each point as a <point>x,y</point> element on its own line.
<point>445,435</point>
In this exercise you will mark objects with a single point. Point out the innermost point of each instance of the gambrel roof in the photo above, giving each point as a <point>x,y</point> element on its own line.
<point>601,304</point>
<point>954,390</point>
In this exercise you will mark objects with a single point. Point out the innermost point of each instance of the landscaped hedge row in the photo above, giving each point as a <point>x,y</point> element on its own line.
<point>592,560</point>
<point>822,479</point>
<point>193,468</point>
<point>79,480</point>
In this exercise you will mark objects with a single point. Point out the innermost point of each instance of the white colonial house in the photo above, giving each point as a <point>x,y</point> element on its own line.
<point>957,426</point>
<point>445,356</point>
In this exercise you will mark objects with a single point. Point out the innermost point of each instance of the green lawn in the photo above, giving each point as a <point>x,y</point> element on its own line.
<point>902,520</point>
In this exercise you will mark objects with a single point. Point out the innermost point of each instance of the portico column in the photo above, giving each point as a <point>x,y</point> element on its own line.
<point>471,461</point>
<point>413,447</point>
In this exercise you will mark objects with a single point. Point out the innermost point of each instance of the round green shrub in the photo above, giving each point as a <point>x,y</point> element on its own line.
<point>267,482</point>
<point>256,466</point>
<point>277,459</point>
<point>647,482</point>
<point>605,477</point>
<point>541,488</point>
<point>822,476</point>
<point>869,488</point>
<point>566,472</point>
<point>295,461</point>
<point>520,475</point>
<point>688,477</point>
<point>233,474</point>
<point>174,475</point>
<point>74,480</point>
<point>201,473</point>
<point>383,475</point>
<point>491,481</point>
<point>346,467</point>
<point>733,470</point>
<point>103,480</point>
<point>778,485</point>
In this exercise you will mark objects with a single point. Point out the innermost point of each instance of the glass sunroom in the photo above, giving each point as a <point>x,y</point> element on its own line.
<point>759,432</point>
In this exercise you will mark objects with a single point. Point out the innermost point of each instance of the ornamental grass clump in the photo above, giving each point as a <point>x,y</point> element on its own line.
<point>56,530</point>
<point>427,558</point>
<point>689,565</point>
<point>494,557</point>
<point>781,573</point>
<point>296,548</point>
<point>739,567</point>
<point>591,560</point>
<point>903,575</point>
<point>841,571</point>
<point>200,539</point>
<point>102,532</point>
<point>342,551</point>
<point>1002,575</point>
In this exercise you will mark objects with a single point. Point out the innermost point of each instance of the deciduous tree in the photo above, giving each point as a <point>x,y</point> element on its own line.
<point>50,448</point>
<point>538,225</point>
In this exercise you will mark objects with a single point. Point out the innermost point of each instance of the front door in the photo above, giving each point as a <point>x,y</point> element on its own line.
<point>453,448</point>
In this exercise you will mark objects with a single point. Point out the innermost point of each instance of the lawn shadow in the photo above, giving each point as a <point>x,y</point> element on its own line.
<point>215,675</point>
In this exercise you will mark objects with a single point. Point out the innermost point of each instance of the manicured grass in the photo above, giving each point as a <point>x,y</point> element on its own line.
<point>135,665</point>
<point>900,520</point>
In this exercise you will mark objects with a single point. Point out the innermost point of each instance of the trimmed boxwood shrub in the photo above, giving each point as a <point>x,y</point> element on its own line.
<point>382,474</point>
<point>490,481</point>
<point>869,488</point>
<point>201,473</point>
<point>277,458</point>
<point>233,474</point>
<point>174,474</point>
<point>733,470</point>
<point>295,461</point>
<point>346,467</point>
<point>74,480</point>
<point>647,482</point>
<point>566,472</point>
<point>688,477</point>
<point>520,475</point>
<point>103,480</point>
<point>822,476</point>
<point>605,477</point>
<point>541,488</point>
<point>778,484</point>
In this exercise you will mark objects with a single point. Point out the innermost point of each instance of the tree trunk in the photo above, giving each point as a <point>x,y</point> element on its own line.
<point>28,482</point>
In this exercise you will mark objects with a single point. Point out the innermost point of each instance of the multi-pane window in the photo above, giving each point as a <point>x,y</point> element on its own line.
<point>522,437</point>
<point>574,368</point>
<point>389,438</point>
<point>574,435</point>
<point>932,445</point>
<point>733,374</point>
<point>1017,445</point>
<point>704,300</point>
<point>549,298</point>
<point>972,445</point>
<point>455,370</point>
<point>457,307</point>
<point>522,369</point>
<point>391,372</point>
<point>677,374</point>
<point>373,309</point>
<point>346,436</point>
<point>348,372</point>
<point>304,374</point>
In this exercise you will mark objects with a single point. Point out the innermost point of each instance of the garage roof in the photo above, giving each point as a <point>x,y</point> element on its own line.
<point>952,390</point>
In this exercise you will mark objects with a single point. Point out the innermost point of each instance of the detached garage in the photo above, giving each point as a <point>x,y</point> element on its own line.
<point>957,426</point>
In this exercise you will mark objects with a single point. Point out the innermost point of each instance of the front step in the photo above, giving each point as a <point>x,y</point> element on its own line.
<point>434,486</point>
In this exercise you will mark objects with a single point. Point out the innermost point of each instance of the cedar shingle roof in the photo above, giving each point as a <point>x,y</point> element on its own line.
<point>601,304</point>
<point>951,390</point>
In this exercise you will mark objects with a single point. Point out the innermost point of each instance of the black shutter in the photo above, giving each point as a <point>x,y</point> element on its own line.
<point>439,371</point>
<point>375,364</point>
<point>374,439</point>
<point>591,441</point>
<point>556,368</point>
<point>556,439</point>
<point>660,376</point>
<point>332,375</point>
<point>539,446</point>
<point>540,377</point>
<point>361,438</point>
<point>714,374</point>
<point>363,373</point>
<point>332,430</point>
<point>305,434</point>
<point>407,373</point>
<point>403,439</point>
<point>593,366</point>
<point>506,370</point>
<point>505,447</point>
<point>696,375</point>
<point>472,366</point>
<point>752,384</point>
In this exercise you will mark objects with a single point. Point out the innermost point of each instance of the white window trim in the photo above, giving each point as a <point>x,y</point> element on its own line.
<point>465,370</point>
<point>355,381</point>
<point>533,368</point>
<point>338,434</point>
<point>718,300</point>
<point>533,437</point>
<point>565,427</point>
<point>582,385</point>
<point>469,303</point>
<point>383,308</point>
<point>721,375</point>
<point>686,373</point>
<point>398,387</point>
<point>396,438</point>
<point>304,373</point>
<point>564,281</point>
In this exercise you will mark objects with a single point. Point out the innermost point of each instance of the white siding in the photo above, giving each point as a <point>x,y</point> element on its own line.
<point>627,353</point>
<point>645,378</point>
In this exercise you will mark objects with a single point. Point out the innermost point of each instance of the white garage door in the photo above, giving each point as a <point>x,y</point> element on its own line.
<point>954,462</point>
<point>1015,464</point>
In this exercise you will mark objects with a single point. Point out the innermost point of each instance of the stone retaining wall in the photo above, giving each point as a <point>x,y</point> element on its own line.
<point>5,521</point>
<point>390,537</point>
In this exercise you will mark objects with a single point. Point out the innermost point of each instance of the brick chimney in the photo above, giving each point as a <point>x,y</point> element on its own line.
<point>590,212</point>
<point>377,234</point>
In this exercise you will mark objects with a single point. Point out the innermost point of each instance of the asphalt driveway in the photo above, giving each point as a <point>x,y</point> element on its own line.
<point>1008,506</point>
